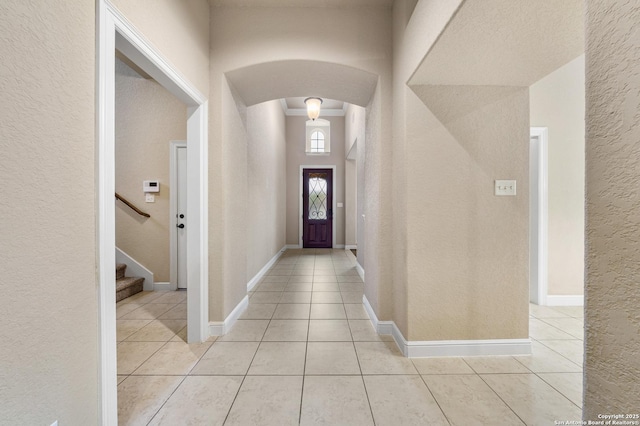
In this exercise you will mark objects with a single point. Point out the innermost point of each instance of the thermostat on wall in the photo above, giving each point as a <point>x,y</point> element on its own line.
<point>151,186</point>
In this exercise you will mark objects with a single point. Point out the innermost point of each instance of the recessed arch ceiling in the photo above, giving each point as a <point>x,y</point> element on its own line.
<point>298,103</point>
<point>329,108</point>
<point>301,3</point>
<point>504,43</point>
<point>301,78</point>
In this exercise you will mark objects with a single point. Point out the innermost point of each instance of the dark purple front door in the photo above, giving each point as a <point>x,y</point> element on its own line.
<point>317,202</point>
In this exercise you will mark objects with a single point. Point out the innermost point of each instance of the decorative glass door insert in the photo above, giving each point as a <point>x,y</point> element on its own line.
<point>317,196</point>
<point>317,212</point>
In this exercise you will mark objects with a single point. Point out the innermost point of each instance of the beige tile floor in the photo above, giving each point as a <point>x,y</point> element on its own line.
<point>305,353</point>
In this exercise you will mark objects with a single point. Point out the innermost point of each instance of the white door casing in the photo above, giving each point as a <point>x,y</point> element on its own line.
<point>115,31</point>
<point>333,204</point>
<point>538,216</point>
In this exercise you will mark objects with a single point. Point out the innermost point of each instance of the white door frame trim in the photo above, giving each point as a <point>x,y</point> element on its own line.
<point>333,202</point>
<point>114,31</point>
<point>173,204</point>
<point>539,208</point>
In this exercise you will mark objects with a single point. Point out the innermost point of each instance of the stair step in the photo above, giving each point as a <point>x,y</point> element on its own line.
<point>128,286</point>
<point>120,268</point>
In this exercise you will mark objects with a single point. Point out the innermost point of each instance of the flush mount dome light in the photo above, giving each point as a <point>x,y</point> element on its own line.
<point>313,107</point>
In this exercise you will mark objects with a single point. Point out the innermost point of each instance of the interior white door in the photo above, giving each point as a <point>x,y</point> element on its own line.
<point>181,215</point>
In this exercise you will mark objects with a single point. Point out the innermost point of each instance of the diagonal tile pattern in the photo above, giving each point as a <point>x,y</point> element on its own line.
<point>305,353</point>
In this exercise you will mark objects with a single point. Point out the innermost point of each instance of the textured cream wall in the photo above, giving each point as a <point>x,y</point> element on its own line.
<point>416,31</point>
<point>360,196</point>
<point>179,29</point>
<point>234,219</point>
<point>451,280</point>
<point>467,249</point>
<point>416,26</point>
<point>504,42</point>
<point>296,156</point>
<point>357,37</point>
<point>48,355</point>
<point>267,181</point>
<point>557,102</point>
<point>612,344</point>
<point>350,203</point>
<point>402,12</point>
<point>377,224</point>
<point>254,164</point>
<point>408,50</point>
<point>147,119</point>
<point>354,128</point>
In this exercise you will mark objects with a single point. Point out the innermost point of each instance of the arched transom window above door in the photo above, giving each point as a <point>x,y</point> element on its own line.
<point>318,137</point>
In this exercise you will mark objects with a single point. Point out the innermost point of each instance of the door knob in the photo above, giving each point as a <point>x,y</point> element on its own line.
<point>180,226</point>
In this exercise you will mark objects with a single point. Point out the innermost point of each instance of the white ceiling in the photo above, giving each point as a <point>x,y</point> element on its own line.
<point>329,108</point>
<point>301,3</point>
<point>504,42</point>
<point>298,103</point>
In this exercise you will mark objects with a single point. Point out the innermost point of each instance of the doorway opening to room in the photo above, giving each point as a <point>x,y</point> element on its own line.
<point>150,174</point>
<point>538,215</point>
<point>557,176</point>
<point>116,33</point>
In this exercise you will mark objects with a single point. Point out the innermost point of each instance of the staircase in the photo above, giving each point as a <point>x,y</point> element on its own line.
<point>126,286</point>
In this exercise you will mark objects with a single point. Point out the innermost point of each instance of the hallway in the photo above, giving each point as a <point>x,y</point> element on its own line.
<point>304,352</point>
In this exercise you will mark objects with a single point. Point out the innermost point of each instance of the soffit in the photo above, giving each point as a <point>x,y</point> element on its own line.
<point>120,57</point>
<point>302,3</point>
<point>300,78</point>
<point>504,42</point>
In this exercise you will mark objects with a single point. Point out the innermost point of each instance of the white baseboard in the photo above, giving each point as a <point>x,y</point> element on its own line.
<point>360,270</point>
<point>350,247</point>
<point>443,348</point>
<point>135,269</point>
<point>338,246</point>
<point>217,328</point>
<point>351,255</point>
<point>256,279</point>
<point>416,349</point>
<point>372,315</point>
<point>163,286</point>
<point>386,327</point>
<point>557,300</point>
<point>381,327</point>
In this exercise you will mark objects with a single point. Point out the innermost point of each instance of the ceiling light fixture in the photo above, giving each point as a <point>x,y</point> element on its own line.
<point>313,107</point>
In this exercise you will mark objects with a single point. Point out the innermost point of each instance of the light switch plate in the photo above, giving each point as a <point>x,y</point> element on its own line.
<point>149,198</point>
<point>505,187</point>
<point>340,205</point>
